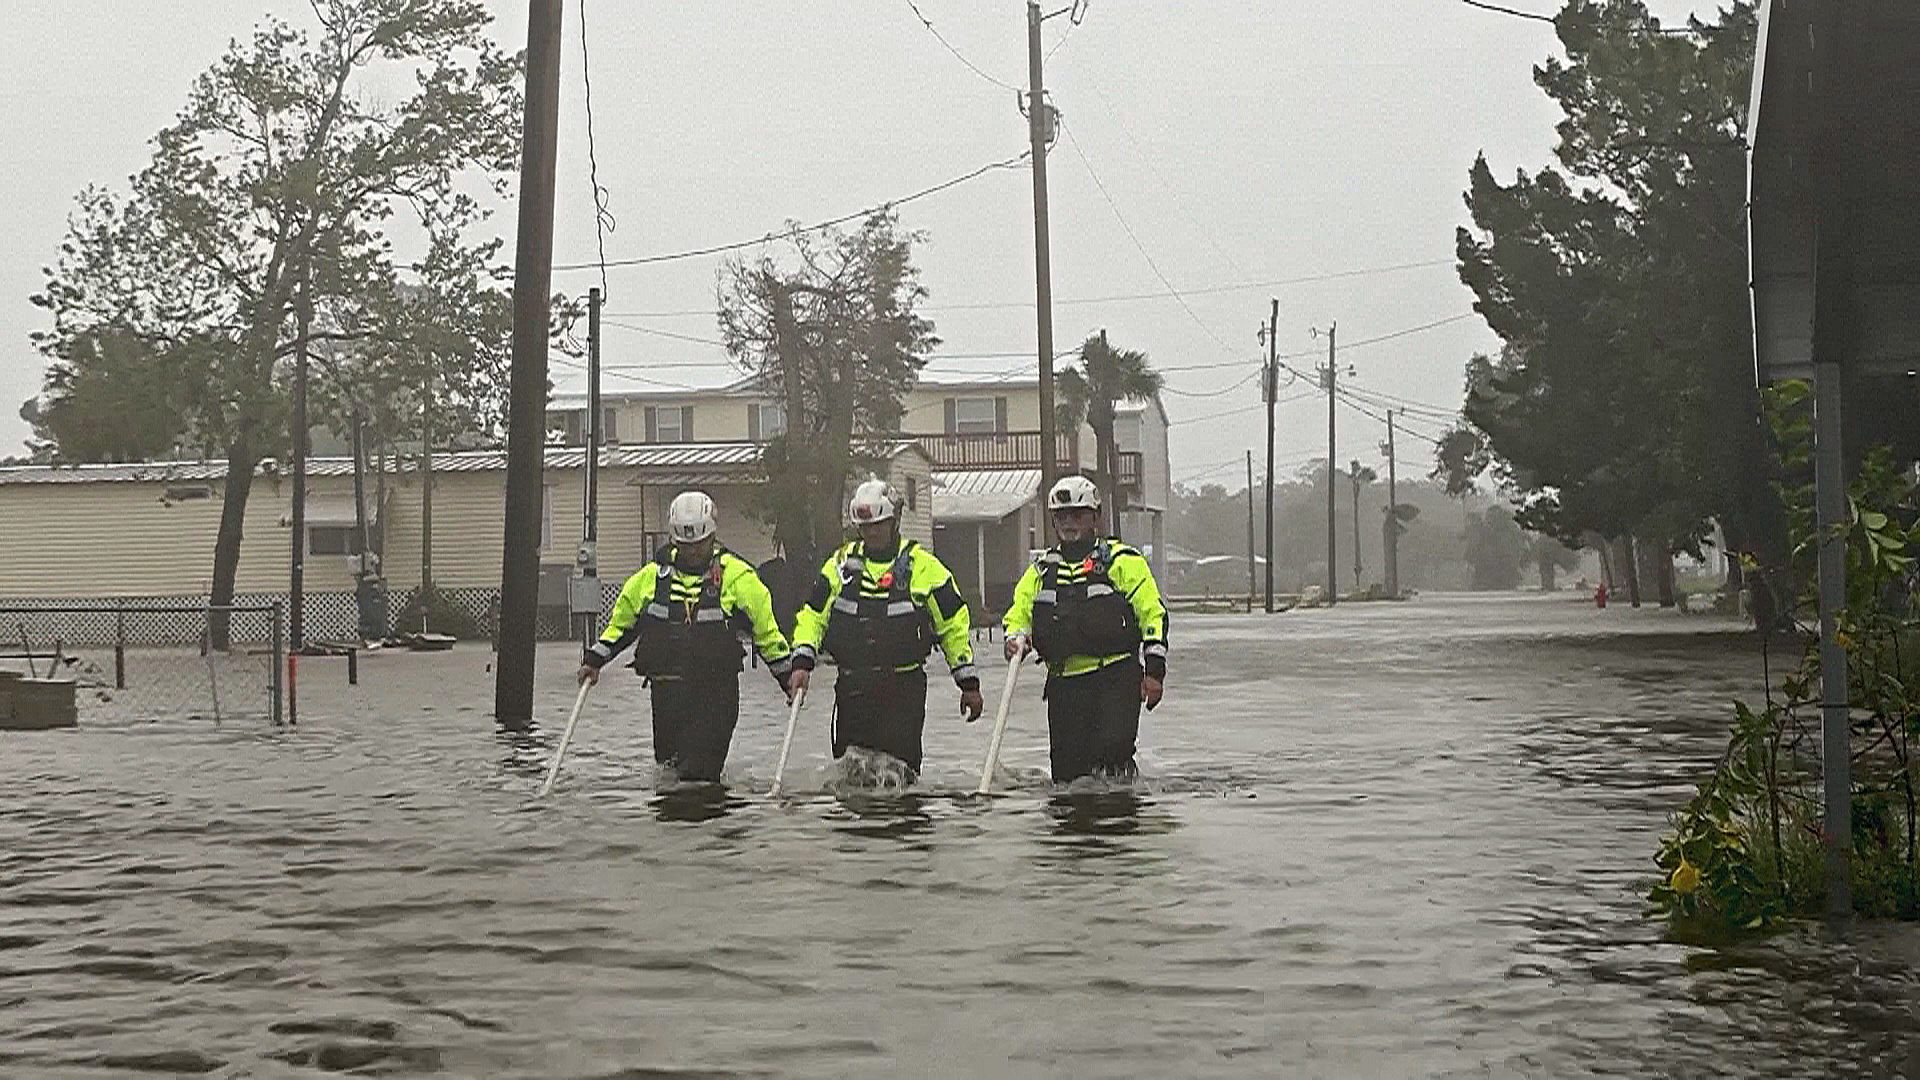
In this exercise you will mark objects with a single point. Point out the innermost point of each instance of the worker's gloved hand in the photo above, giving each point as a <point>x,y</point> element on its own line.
<point>1016,646</point>
<point>588,675</point>
<point>972,704</point>
<point>1150,691</point>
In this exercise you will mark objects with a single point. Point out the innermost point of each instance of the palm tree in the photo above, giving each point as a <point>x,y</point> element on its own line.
<point>1088,394</point>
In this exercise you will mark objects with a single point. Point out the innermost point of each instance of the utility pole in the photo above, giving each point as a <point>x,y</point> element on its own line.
<point>586,598</point>
<point>297,577</point>
<point>1353,474</point>
<point>1333,379</point>
<point>1252,590</point>
<point>1392,543</point>
<point>1040,133</point>
<point>526,427</point>
<point>1270,386</point>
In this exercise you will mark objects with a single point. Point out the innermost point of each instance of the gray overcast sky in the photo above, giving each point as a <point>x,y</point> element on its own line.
<point>1241,141</point>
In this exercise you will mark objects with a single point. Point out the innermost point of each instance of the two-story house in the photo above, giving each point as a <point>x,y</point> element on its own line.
<point>982,436</point>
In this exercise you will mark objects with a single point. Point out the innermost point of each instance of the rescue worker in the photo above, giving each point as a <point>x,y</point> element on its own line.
<point>683,613</point>
<point>1090,607</point>
<point>879,606</point>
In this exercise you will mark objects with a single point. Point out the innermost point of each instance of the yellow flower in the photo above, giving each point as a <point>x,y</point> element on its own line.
<point>1685,879</point>
<point>1845,639</point>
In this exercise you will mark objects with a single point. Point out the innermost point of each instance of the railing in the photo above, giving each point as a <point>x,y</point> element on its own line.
<point>1015,450</point>
<point>994,450</point>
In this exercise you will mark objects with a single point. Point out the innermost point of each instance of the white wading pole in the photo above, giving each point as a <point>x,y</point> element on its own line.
<point>1000,724</point>
<point>786,744</point>
<point>566,737</point>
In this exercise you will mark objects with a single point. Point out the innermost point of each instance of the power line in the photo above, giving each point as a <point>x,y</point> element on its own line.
<point>1213,393</point>
<point>1406,406</point>
<point>1128,229</point>
<point>957,55</point>
<point>603,220</point>
<point>1209,290</point>
<point>1344,348</point>
<point>801,230</point>
<point>1370,414</point>
<point>1537,17</point>
<point>1508,11</point>
<point>1242,409</point>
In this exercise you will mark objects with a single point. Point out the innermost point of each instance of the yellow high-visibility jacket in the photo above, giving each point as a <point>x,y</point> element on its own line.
<point>928,588</point>
<point>739,602</point>
<point>1127,569</point>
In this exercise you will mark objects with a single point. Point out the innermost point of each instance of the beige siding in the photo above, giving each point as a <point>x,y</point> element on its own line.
<point>927,409</point>
<point>121,538</point>
<point>912,470</point>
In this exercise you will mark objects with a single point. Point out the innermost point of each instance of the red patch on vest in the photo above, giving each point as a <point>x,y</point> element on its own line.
<point>886,580</point>
<point>1088,565</point>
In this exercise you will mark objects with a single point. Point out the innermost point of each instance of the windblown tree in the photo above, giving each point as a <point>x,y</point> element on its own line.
<point>829,326</point>
<point>1091,393</point>
<point>1623,403</point>
<point>282,169</point>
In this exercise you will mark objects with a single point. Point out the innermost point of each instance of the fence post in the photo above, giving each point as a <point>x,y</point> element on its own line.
<point>279,654</point>
<point>353,667</point>
<point>120,644</point>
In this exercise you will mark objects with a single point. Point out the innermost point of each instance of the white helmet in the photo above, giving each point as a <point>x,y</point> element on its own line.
<point>1072,493</point>
<point>872,501</point>
<point>690,517</point>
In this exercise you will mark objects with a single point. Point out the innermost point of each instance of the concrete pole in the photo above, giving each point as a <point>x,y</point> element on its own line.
<point>1270,386</point>
<point>1830,505</point>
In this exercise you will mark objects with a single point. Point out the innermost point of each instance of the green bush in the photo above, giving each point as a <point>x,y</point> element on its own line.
<point>1745,853</point>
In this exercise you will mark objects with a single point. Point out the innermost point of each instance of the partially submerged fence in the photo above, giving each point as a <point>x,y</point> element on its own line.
<point>141,661</point>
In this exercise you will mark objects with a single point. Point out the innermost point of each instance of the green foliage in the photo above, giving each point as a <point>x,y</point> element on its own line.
<point>833,331</point>
<point>277,179</point>
<point>1622,403</point>
<point>1496,549</point>
<point>442,616</point>
<point>1105,378</point>
<point>1751,835</point>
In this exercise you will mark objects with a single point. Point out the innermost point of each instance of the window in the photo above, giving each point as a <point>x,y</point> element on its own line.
<point>609,427</point>
<point>976,415</point>
<point>568,423</point>
<point>913,494</point>
<point>669,423</point>
<point>333,540</point>
<point>765,421</point>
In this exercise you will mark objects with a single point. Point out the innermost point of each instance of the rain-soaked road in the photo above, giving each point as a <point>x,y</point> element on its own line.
<point>1386,840</point>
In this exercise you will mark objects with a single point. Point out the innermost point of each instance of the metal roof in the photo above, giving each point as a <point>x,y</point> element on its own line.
<point>730,459</point>
<point>982,495</point>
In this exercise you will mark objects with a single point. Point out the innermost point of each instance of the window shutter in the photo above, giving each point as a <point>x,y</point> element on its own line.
<point>1000,415</point>
<point>610,428</point>
<point>953,421</point>
<point>753,423</point>
<point>686,423</point>
<point>653,425</point>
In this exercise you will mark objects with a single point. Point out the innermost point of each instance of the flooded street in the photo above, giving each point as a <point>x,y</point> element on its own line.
<point>1384,840</point>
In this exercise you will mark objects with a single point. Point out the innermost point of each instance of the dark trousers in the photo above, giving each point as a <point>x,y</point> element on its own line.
<point>1093,720</point>
<point>876,709</point>
<point>693,724</point>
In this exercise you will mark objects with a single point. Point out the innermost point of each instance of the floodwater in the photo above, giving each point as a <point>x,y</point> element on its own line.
<point>1384,840</point>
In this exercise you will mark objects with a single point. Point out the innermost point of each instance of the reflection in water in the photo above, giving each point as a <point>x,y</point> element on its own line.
<point>884,816</point>
<point>693,802</point>
<point>1377,840</point>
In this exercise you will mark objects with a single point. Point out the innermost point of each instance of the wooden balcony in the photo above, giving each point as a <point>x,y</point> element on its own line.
<point>1015,450</point>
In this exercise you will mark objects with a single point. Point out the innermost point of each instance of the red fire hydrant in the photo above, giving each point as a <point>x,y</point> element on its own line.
<point>1600,595</point>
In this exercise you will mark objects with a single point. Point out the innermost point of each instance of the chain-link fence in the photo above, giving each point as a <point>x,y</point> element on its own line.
<point>149,661</point>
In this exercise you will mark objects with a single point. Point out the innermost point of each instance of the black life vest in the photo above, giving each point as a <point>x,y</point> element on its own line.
<point>682,637</point>
<point>1079,612</point>
<point>886,629</point>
